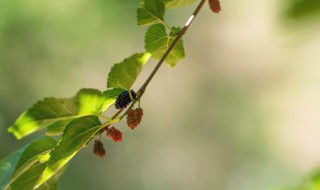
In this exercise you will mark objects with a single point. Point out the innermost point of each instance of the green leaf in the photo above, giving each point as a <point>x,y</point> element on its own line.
<point>28,179</point>
<point>110,97</point>
<point>52,110</point>
<point>24,159</point>
<point>76,135</point>
<point>57,128</point>
<point>177,3</point>
<point>32,154</point>
<point>151,12</point>
<point>124,74</point>
<point>310,183</point>
<point>303,9</point>
<point>52,183</point>
<point>157,41</point>
<point>7,167</point>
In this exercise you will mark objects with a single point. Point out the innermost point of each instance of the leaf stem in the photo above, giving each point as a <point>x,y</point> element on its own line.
<point>104,117</point>
<point>114,118</point>
<point>166,25</point>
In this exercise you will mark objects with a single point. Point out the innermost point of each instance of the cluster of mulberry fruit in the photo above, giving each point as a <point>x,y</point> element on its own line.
<point>134,117</point>
<point>98,149</point>
<point>124,99</point>
<point>215,6</point>
<point>114,134</point>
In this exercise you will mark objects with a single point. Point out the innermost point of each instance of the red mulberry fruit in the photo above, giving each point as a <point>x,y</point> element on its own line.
<point>114,134</point>
<point>215,6</point>
<point>98,149</point>
<point>134,117</point>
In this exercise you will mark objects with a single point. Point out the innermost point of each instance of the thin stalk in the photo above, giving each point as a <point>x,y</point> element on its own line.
<point>103,117</point>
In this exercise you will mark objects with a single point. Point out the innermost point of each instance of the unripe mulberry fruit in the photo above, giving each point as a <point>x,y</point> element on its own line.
<point>114,134</point>
<point>134,117</point>
<point>98,149</point>
<point>215,6</point>
<point>124,99</point>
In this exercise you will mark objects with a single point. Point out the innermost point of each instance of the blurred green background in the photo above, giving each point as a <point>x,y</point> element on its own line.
<point>242,111</point>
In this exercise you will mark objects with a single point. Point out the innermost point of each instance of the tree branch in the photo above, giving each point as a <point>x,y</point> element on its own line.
<point>165,55</point>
